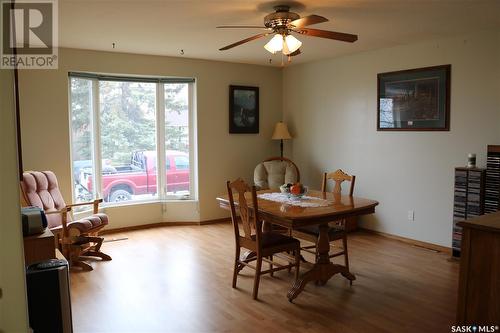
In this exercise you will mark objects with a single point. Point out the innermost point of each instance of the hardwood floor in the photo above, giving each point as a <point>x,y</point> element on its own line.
<point>178,279</point>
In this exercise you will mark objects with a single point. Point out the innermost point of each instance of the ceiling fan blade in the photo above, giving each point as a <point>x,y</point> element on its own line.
<point>296,53</point>
<point>249,39</point>
<point>308,20</point>
<point>241,27</point>
<point>328,34</point>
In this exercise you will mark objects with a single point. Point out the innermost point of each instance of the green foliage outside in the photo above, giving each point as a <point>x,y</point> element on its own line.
<point>128,117</point>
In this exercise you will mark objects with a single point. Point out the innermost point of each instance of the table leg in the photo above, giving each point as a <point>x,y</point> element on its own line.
<point>323,269</point>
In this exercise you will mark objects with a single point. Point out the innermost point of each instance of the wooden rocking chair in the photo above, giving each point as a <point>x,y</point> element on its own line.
<point>77,239</point>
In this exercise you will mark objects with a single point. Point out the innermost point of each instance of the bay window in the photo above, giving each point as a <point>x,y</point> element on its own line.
<point>132,138</point>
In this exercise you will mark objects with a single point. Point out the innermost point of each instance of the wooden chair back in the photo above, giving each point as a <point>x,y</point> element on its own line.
<point>250,221</point>
<point>338,177</point>
<point>286,160</point>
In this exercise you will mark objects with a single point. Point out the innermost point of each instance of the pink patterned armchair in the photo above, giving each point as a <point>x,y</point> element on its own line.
<point>76,238</point>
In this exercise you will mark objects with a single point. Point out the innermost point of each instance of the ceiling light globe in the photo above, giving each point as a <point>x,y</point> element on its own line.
<point>275,44</point>
<point>291,44</point>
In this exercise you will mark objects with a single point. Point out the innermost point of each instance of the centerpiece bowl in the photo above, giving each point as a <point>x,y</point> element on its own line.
<point>293,191</point>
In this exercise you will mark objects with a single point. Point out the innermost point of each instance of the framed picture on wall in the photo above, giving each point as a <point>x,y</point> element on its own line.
<point>243,109</point>
<point>414,100</point>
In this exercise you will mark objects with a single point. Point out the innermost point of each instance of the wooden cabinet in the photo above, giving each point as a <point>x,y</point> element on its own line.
<point>39,247</point>
<point>479,283</point>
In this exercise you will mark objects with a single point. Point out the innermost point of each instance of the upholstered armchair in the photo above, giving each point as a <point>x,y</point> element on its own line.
<point>274,172</point>
<point>76,238</point>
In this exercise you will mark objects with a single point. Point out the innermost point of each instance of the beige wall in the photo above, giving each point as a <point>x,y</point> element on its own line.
<point>332,106</point>
<point>221,156</point>
<point>13,311</point>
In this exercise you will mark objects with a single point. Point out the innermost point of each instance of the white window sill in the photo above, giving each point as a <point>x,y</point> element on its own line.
<point>146,202</point>
<point>137,203</point>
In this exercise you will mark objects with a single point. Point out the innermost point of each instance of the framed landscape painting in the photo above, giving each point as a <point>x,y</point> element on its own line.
<point>243,109</point>
<point>414,99</point>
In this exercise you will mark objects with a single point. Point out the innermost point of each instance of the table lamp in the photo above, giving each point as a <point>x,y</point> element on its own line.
<point>281,133</point>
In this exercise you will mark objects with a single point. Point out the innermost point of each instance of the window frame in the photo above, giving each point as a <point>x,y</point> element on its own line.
<point>95,121</point>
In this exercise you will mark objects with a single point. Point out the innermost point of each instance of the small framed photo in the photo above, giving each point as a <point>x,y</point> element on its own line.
<point>414,99</point>
<point>243,109</point>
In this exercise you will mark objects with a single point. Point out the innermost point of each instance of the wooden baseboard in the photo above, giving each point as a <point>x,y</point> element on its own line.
<point>145,226</point>
<point>163,224</point>
<point>215,221</point>
<point>410,241</point>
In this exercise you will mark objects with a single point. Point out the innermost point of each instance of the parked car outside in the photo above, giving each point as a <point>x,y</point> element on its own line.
<point>122,183</point>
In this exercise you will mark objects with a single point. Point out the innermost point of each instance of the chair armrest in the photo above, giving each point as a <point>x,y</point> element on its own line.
<point>96,203</point>
<point>64,218</point>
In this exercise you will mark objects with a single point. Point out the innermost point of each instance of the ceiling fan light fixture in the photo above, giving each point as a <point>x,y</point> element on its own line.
<point>281,24</point>
<point>275,44</point>
<point>290,44</point>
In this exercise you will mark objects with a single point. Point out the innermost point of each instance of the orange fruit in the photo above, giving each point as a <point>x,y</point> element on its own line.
<point>296,189</point>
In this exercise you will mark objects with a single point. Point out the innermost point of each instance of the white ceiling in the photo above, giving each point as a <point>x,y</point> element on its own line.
<point>164,27</point>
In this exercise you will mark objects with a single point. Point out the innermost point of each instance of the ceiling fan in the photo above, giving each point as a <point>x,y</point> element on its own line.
<point>282,23</point>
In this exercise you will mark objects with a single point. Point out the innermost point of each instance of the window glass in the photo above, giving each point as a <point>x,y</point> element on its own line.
<point>81,139</point>
<point>125,141</point>
<point>177,137</point>
<point>182,163</point>
<point>128,140</point>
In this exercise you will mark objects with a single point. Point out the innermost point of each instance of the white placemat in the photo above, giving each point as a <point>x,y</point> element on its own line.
<point>305,201</point>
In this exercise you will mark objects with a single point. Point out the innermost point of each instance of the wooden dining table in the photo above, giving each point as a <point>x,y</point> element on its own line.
<point>292,216</point>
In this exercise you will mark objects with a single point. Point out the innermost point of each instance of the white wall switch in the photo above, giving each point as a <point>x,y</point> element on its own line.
<point>411,215</point>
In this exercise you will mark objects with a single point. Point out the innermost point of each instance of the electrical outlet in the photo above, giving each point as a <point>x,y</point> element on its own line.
<point>411,215</point>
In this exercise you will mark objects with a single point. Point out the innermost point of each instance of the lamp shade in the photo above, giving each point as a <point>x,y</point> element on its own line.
<point>291,44</point>
<point>281,132</point>
<point>275,44</point>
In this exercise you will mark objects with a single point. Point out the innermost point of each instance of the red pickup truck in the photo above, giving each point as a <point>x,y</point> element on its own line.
<point>120,183</point>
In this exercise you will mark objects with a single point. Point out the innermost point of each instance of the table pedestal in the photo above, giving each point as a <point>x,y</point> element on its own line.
<point>323,269</point>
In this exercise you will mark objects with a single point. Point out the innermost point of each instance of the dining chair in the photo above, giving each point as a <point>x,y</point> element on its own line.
<point>263,244</point>
<point>274,172</point>
<point>77,239</point>
<point>337,229</point>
